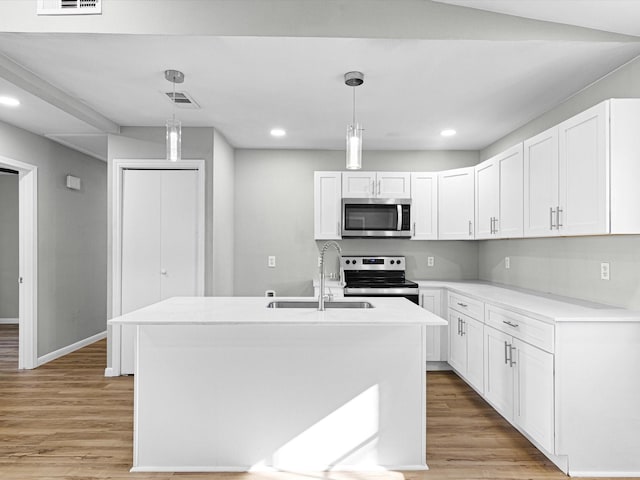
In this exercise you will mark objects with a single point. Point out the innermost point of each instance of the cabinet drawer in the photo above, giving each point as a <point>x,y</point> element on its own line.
<point>524,328</point>
<point>466,305</point>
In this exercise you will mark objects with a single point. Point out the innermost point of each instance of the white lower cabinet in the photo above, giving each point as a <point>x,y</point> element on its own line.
<point>498,381</point>
<point>431,299</point>
<point>466,347</point>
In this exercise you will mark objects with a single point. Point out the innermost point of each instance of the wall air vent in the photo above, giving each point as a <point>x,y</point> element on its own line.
<point>69,7</point>
<point>182,100</point>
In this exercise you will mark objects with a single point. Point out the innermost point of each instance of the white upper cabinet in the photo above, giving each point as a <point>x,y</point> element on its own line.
<point>487,198</point>
<point>583,173</point>
<point>327,191</point>
<point>456,204</point>
<point>509,223</point>
<point>541,184</point>
<point>376,185</point>
<point>424,206</point>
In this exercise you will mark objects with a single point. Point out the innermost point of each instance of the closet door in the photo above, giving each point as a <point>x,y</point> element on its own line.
<point>159,243</point>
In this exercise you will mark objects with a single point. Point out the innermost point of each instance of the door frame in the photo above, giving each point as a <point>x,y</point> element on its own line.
<point>119,166</point>
<point>28,261</point>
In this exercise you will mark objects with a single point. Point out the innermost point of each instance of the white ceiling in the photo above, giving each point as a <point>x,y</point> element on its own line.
<point>618,16</point>
<point>413,88</point>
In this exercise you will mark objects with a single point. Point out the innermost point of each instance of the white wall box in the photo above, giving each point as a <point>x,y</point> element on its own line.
<point>437,344</point>
<point>579,175</point>
<point>376,185</point>
<point>456,204</point>
<point>499,195</point>
<point>327,194</point>
<point>466,340</point>
<point>424,205</point>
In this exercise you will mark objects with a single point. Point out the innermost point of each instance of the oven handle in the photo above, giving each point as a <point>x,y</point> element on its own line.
<point>380,291</point>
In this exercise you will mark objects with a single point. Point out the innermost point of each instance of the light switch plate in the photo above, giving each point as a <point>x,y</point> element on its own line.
<point>271,262</point>
<point>507,262</point>
<point>430,261</point>
<point>604,271</point>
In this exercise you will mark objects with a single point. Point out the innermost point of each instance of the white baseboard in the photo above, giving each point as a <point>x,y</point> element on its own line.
<point>433,366</point>
<point>9,321</point>
<point>71,348</point>
<point>605,474</point>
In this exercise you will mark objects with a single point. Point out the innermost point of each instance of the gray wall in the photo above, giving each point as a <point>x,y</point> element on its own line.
<point>570,266</point>
<point>274,216</point>
<point>72,233</point>
<point>9,246</point>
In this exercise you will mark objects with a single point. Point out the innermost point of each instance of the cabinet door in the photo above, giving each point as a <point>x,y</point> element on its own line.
<point>457,344</point>
<point>510,218</point>
<point>424,205</point>
<point>327,191</point>
<point>473,330</point>
<point>393,185</point>
<point>432,300</point>
<point>456,204</point>
<point>583,173</point>
<point>487,198</point>
<point>359,184</point>
<point>498,379</point>
<point>534,393</point>
<point>541,184</point>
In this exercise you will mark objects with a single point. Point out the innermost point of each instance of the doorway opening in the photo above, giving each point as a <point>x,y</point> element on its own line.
<point>21,233</point>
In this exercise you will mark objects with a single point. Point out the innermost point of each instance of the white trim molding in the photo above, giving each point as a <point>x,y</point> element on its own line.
<point>28,261</point>
<point>118,167</point>
<point>61,352</point>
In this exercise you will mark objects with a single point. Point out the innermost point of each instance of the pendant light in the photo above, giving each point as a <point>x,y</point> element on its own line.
<point>354,131</point>
<point>174,127</point>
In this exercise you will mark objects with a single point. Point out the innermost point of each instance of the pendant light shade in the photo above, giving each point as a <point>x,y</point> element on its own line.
<point>174,127</point>
<point>354,131</point>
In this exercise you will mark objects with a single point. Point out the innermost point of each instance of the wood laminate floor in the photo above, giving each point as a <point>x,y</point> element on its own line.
<point>65,420</point>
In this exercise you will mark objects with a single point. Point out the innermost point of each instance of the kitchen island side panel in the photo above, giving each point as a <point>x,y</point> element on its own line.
<point>317,397</point>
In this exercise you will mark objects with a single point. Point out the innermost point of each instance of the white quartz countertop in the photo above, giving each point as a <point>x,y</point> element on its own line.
<point>253,310</point>
<point>545,307</point>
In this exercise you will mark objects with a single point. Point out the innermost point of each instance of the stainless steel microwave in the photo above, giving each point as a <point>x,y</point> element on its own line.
<point>376,217</point>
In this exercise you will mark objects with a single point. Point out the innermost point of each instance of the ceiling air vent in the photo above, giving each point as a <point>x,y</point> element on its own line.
<point>182,100</point>
<point>69,7</point>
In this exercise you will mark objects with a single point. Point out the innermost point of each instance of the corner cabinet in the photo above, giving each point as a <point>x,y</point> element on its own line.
<point>327,196</point>
<point>424,206</point>
<point>499,195</point>
<point>456,204</point>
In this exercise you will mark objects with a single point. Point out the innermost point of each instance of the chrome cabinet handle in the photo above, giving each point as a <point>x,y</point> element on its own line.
<point>508,322</point>
<point>470,232</point>
<point>459,326</point>
<point>491,225</point>
<point>414,229</point>
<point>495,225</point>
<point>339,229</point>
<point>558,212</point>
<point>551,212</point>
<point>462,332</point>
<point>511,361</point>
<point>379,185</point>
<point>463,305</point>
<point>506,348</point>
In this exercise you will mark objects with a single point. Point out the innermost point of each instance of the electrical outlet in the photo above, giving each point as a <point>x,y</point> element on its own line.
<point>507,262</point>
<point>271,262</point>
<point>430,261</point>
<point>604,271</point>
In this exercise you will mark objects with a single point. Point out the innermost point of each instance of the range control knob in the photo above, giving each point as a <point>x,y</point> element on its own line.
<point>347,262</point>
<point>392,262</point>
<point>398,261</point>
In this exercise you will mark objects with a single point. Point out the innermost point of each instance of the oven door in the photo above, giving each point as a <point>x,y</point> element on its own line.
<point>408,293</point>
<point>375,217</point>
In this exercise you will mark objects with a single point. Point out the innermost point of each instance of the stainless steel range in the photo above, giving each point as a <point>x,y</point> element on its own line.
<point>377,277</point>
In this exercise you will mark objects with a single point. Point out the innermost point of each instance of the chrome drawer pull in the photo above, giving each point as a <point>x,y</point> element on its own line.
<point>464,305</point>
<point>514,325</point>
<point>511,362</point>
<point>506,358</point>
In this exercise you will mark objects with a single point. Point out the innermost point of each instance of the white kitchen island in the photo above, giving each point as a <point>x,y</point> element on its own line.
<point>227,384</point>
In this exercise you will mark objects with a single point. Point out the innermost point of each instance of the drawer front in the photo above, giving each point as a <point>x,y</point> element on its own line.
<point>466,305</point>
<point>527,329</point>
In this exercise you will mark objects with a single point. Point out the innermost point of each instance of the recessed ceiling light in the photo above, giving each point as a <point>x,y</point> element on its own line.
<point>9,101</point>
<point>448,132</point>
<point>278,132</point>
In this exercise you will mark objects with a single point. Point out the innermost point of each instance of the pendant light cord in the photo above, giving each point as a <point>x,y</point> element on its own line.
<point>354,106</point>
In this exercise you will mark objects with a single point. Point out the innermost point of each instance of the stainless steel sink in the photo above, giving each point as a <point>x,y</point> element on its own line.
<point>314,304</point>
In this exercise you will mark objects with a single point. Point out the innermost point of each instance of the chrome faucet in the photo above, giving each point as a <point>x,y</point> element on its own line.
<point>322,252</point>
